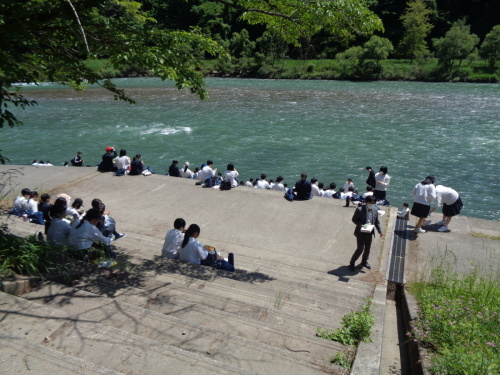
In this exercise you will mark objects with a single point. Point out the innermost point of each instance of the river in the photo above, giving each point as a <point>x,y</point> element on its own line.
<point>329,129</point>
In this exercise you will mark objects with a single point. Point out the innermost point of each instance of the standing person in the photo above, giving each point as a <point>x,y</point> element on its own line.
<point>107,162</point>
<point>173,240</point>
<point>136,166</point>
<point>77,161</point>
<point>366,220</point>
<point>303,188</point>
<point>382,180</point>
<point>452,204</point>
<point>173,170</point>
<point>370,181</point>
<point>122,161</point>
<point>44,206</point>
<point>186,172</point>
<point>424,194</point>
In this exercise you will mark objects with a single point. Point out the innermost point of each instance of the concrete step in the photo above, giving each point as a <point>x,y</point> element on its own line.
<point>104,345</point>
<point>19,356</point>
<point>201,339</point>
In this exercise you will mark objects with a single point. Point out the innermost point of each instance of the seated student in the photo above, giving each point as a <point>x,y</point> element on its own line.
<point>330,192</point>
<point>207,174</point>
<point>74,211</point>
<point>136,166</point>
<point>85,235</point>
<point>44,206</point>
<point>369,191</point>
<point>173,170</point>
<point>321,187</point>
<point>231,174</point>
<point>196,174</point>
<point>122,161</point>
<point>58,232</point>
<point>278,186</point>
<point>173,240</point>
<point>339,194</point>
<point>405,212</point>
<point>107,162</point>
<point>186,172</point>
<point>194,252</point>
<point>77,161</point>
<point>315,188</point>
<point>303,188</point>
<point>262,183</point>
<point>106,224</point>
<point>21,202</point>
<point>348,184</point>
<point>249,183</point>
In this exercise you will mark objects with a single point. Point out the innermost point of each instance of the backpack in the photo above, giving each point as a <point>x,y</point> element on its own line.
<point>225,185</point>
<point>289,195</point>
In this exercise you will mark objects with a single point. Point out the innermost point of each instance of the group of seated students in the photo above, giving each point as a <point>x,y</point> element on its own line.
<point>66,224</point>
<point>122,165</point>
<point>182,244</point>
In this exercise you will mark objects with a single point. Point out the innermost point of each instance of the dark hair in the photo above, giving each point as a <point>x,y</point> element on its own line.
<point>263,176</point>
<point>137,156</point>
<point>34,194</point>
<point>405,204</point>
<point>77,203</point>
<point>321,185</point>
<point>197,169</point>
<point>186,166</point>
<point>179,223</point>
<point>428,180</point>
<point>61,202</point>
<point>369,188</point>
<point>175,162</point>
<point>57,210</point>
<point>230,167</point>
<point>193,229</point>
<point>278,179</point>
<point>123,152</point>
<point>313,180</point>
<point>95,203</point>
<point>341,189</point>
<point>303,175</point>
<point>369,199</point>
<point>350,188</point>
<point>383,169</point>
<point>333,185</point>
<point>101,208</point>
<point>251,180</point>
<point>368,168</point>
<point>45,197</point>
<point>91,214</point>
<point>209,162</point>
<point>26,191</point>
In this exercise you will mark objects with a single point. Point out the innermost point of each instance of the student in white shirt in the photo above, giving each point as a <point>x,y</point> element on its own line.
<point>315,192</point>
<point>329,192</point>
<point>452,205</point>
<point>173,240</point>
<point>84,235</point>
<point>59,229</point>
<point>382,180</point>
<point>122,161</point>
<point>207,174</point>
<point>405,212</point>
<point>231,175</point>
<point>278,186</point>
<point>348,184</point>
<point>369,191</point>
<point>191,250</point>
<point>186,172</point>
<point>262,183</point>
<point>249,183</point>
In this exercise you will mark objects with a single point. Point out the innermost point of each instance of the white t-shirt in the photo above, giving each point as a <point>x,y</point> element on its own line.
<point>193,252</point>
<point>122,162</point>
<point>278,187</point>
<point>368,193</point>
<point>231,176</point>
<point>403,212</point>
<point>424,194</point>
<point>382,181</point>
<point>206,172</point>
<point>328,193</point>
<point>26,204</point>
<point>315,190</point>
<point>173,242</point>
<point>347,185</point>
<point>248,184</point>
<point>445,195</point>
<point>188,174</point>
<point>58,232</point>
<point>83,237</point>
<point>19,202</point>
<point>263,184</point>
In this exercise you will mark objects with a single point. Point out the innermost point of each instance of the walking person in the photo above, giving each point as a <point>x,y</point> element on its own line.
<point>366,220</point>
<point>424,194</point>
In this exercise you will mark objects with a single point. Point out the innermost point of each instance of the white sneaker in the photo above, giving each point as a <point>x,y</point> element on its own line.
<point>419,230</point>
<point>444,228</point>
<point>427,222</point>
<point>440,222</point>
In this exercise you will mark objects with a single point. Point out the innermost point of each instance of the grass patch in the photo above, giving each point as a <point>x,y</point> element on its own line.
<point>481,235</point>
<point>459,321</point>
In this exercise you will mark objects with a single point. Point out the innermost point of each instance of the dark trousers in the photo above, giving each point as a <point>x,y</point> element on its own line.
<point>364,242</point>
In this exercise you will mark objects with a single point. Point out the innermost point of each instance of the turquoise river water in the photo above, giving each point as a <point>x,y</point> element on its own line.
<point>330,129</point>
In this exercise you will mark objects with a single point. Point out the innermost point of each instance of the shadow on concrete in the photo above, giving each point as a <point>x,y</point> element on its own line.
<point>344,273</point>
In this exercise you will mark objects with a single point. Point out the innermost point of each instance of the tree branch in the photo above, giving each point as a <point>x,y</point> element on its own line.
<point>80,26</point>
<point>269,13</point>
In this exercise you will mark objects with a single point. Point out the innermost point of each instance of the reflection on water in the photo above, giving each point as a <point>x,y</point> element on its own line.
<point>329,129</point>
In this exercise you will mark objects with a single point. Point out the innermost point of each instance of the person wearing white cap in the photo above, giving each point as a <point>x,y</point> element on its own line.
<point>186,172</point>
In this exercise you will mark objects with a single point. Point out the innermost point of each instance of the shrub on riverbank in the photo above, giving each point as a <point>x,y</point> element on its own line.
<point>459,321</point>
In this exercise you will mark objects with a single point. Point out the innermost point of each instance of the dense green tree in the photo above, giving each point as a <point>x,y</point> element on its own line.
<point>490,48</point>
<point>457,44</point>
<point>417,26</point>
<point>377,48</point>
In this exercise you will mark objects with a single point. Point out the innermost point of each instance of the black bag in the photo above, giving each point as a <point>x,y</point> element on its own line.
<point>225,185</point>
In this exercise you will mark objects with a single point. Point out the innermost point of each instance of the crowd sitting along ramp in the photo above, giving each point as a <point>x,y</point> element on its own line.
<point>161,315</point>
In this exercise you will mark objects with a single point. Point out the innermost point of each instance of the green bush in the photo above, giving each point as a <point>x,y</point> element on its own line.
<point>459,320</point>
<point>483,78</point>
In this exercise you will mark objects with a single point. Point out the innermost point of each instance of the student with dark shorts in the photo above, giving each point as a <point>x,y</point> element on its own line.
<point>424,194</point>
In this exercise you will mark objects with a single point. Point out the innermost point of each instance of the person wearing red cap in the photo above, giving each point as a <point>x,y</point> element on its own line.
<point>107,163</point>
